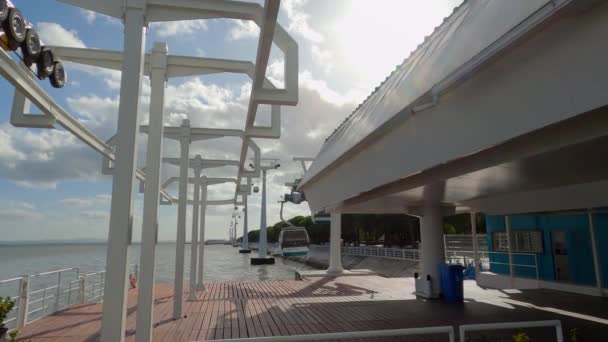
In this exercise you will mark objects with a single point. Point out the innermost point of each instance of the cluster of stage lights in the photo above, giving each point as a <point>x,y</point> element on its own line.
<point>18,33</point>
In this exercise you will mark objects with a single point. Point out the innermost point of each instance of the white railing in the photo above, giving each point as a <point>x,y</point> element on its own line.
<point>57,290</point>
<point>380,252</point>
<point>449,330</point>
<point>513,325</point>
<point>486,261</point>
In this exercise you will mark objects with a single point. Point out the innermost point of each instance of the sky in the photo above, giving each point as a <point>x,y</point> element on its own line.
<point>52,186</point>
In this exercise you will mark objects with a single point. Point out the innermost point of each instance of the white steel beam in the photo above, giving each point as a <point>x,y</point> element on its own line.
<point>181,221</point>
<point>121,214</point>
<point>195,226</point>
<point>149,235</point>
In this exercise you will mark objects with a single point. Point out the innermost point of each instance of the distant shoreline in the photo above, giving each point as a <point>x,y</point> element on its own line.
<point>63,243</point>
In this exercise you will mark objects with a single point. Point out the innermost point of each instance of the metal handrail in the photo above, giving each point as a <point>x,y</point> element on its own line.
<point>391,253</point>
<point>353,335</point>
<point>50,299</point>
<point>6,281</point>
<point>54,272</point>
<point>513,325</point>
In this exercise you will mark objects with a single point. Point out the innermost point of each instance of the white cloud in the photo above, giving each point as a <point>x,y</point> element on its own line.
<point>299,20</point>
<point>327,94</point>
<point>82,202</point>
<point>39,159</point>
<point>276,73</point>
<point>76,202</point>
<point>323,58</point>
<point>175,28</point>
<point>95,214</point>
<point>17,211</point>
<point>89,16</point>
<point>55,34</point>
<point>244,29</point>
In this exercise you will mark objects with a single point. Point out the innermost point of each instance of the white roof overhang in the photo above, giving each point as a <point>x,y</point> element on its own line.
<point>552,76</point>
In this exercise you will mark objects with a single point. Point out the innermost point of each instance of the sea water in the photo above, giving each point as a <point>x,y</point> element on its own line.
<point>222,263</point>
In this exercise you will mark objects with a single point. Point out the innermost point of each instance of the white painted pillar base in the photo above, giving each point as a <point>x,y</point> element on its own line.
<point>335,254</point>
<point>431,251</point>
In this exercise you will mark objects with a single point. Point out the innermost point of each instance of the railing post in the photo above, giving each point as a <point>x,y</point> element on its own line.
<point>58,294</point>
<point>69,299</point>
<point>81,283</point>
<point>22,309</point>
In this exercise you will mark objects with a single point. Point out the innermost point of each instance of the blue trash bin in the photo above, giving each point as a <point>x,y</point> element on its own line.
<point>451,280</point>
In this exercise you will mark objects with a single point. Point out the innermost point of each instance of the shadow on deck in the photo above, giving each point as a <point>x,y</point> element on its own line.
<point>274,308</point>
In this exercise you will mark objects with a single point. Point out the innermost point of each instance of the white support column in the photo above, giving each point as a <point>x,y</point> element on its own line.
<point>181,221</point>
<point>245,242</point>
<point>201,252</point>
<point>194,242</point>
<point>475,246</point>
<point>335,234</point>
<point>432,248</point>
<point>149,233</point>
<point>121,212</point>
<point>262,251</point>
<point>236,224</point>
<point>596,258</point>
<point>509,249</point>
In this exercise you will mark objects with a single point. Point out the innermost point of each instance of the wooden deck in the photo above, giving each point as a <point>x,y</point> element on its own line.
<point>320,305</point>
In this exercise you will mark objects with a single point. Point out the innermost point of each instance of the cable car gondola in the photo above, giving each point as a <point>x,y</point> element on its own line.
<point>294,241</point>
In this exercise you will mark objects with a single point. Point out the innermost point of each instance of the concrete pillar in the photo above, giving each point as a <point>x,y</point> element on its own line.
<point>201,251</point>
<point>335,235</point>
<point>113,321</point>
<point>194,240</point>
<point>432,248</point>
<point>475,246</point>
<point>181,221</point>
<point>149,232</point>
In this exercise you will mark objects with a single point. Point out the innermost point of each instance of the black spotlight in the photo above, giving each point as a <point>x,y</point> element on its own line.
<point>44,63</point>
<point>31,47</point>
<point>58,76</point>
<point>14,28</point>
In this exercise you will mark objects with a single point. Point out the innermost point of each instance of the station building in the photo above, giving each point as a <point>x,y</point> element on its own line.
<point>501,110</point>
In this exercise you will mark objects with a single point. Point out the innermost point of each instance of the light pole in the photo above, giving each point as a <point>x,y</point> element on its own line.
<point>263,258</point>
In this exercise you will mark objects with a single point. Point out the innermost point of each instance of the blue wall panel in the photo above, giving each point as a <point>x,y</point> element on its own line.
<point>576,229</point>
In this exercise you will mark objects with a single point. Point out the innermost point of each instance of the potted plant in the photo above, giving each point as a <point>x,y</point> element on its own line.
<point>6,305</point>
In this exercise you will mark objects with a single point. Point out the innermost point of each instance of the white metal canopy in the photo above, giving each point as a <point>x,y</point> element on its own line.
<point>120,151</point>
